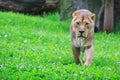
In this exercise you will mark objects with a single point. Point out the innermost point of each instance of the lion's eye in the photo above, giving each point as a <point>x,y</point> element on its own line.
<point>78,23</point>
<point>86,24</point>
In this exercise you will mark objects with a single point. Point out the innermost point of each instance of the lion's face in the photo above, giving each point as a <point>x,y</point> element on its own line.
<point>83,23</point>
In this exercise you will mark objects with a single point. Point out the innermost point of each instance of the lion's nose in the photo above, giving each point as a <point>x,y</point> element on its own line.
<point>81,32</point>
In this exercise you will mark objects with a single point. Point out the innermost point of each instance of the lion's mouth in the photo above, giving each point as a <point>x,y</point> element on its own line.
<point>81,36</point>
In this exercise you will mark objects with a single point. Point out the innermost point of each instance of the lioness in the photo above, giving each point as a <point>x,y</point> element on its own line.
<point>82,35</point>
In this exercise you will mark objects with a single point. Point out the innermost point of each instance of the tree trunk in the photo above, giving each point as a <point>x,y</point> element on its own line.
<point>116,11</point>
<point>101,18</point>
<point>108,16</point>
<point>69,6</point>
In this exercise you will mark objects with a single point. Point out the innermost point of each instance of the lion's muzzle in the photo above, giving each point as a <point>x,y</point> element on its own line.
<point>81,34</point>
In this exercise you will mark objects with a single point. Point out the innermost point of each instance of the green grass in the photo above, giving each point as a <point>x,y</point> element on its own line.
<point>34,48</point>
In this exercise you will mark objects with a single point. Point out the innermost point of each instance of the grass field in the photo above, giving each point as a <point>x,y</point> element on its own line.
<point>35,48</point>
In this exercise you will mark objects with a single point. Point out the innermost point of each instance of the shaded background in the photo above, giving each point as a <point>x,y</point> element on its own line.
<point>107,11</point>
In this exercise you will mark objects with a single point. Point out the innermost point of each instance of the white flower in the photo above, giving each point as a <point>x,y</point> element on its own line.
<point>5,35</point>
<point>109,69</point>
<point>75,74</point>
<point>81,72</point>
<point>60,57</point>
<point>118,62</point>
<point>25,41</point>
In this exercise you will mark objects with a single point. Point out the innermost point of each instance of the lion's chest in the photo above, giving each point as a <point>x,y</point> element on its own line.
<point>79,42</point>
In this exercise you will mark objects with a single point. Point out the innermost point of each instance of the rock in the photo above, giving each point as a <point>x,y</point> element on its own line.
<point>29,6</point>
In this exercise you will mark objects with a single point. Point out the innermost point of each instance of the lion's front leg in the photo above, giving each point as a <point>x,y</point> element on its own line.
<point>76,54</point>
<point>89,53</point>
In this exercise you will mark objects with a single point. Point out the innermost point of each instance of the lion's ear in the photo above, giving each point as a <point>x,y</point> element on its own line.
<point>74,14</point>
<point>93,16</point>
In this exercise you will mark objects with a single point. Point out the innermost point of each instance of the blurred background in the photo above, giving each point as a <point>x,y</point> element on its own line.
<point>107,11</point>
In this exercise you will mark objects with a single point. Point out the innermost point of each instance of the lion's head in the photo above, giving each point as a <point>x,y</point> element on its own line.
<point>82,23</point>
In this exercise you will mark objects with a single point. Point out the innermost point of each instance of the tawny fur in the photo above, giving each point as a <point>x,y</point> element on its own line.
<point>82,35</point>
